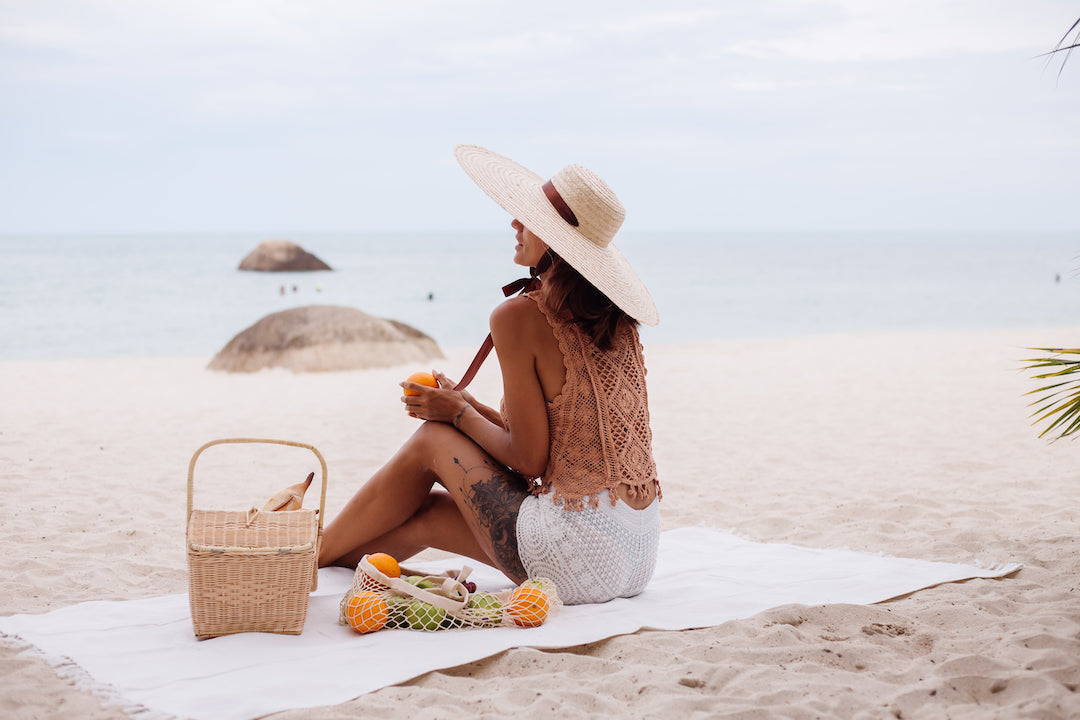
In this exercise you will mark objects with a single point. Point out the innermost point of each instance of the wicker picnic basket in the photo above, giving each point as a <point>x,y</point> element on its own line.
<point>251,571</point>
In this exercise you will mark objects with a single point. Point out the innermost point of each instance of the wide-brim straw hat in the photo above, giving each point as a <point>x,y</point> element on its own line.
<point>575,213</point>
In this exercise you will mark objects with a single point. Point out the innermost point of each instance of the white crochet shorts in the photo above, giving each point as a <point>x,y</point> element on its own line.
<point>593,554</point>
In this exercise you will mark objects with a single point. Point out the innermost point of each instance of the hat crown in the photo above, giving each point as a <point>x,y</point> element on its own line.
<point>593,202</point>
<point>546,207</point>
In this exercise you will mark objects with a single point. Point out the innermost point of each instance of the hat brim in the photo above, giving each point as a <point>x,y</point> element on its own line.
<point>520,192</point>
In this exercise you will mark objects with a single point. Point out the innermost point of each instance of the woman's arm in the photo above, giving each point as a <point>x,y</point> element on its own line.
<point>488,412</point>
<point>524,445</point>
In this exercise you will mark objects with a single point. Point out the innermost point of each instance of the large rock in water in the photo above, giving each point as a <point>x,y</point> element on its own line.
<point>320,338</point>
<point>281,256</point>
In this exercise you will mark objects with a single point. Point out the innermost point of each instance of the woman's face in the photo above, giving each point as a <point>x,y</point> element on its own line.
<point>529,248</point>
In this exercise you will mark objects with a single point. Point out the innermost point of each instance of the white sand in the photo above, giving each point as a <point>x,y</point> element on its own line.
<point>907,444</point>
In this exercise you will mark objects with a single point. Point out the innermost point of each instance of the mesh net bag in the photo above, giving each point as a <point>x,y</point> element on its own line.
<point>440,602</point>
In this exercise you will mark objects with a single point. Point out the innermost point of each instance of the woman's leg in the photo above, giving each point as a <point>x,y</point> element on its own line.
<point>438,523</point>
<point>395,506</point>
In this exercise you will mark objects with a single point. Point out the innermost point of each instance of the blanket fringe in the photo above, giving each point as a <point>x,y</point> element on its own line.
<point>70,671</point>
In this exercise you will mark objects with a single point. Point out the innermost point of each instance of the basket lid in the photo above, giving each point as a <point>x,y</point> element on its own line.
<point>240,530</point>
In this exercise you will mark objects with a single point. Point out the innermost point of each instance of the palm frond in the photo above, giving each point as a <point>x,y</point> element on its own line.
<point>1062,49</point>
<point>1060,401</point>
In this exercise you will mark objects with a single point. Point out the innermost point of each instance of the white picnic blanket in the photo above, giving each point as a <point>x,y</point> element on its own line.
<point>143,654</point>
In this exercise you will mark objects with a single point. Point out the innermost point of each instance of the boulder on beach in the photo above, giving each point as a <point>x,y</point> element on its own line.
<point>281,256</point>
<point>323,338</point>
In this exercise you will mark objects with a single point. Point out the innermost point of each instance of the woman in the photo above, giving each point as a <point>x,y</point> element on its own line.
<point>574,415</point>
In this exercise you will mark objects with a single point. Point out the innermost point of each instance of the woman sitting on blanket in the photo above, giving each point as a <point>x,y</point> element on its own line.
<point>574,414</point>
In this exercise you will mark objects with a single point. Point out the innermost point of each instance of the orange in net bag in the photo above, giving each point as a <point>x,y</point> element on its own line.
<point>441,602</point>
<point>366,612</point>
<point>529,605</point>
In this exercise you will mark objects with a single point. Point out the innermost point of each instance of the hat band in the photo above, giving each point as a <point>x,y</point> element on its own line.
<point>559,204</point>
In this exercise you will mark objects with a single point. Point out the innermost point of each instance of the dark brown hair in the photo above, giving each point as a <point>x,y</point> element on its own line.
<point>568,294</point>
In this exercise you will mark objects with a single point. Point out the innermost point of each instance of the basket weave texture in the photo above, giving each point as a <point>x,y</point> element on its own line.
<point>251,571</point>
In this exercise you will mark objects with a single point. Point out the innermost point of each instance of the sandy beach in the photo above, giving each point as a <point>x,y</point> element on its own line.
<point>910,444</point>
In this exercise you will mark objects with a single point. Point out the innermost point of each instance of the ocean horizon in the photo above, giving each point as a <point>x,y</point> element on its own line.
<point>102,296</point>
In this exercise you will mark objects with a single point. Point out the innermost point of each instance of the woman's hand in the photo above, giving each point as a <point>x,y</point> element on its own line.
<point>441,404</point>
<point>490,414</point>
<point>445,382</point>
<point>521,441</point>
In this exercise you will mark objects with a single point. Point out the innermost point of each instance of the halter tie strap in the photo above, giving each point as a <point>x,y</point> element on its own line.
<point>519,286</point>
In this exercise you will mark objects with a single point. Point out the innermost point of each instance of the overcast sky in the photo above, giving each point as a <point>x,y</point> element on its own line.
<point>294,116</point>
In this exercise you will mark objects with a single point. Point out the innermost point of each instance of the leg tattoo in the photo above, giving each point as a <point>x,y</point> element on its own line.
<point>495,498</point>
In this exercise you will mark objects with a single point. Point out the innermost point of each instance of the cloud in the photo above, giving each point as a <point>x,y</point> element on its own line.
<point>39,35</point>
<point>286,111</point>
<point>652,22</point>
<point>884,30</point>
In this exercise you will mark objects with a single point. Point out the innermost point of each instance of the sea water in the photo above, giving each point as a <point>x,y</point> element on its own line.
<point>108,296</point>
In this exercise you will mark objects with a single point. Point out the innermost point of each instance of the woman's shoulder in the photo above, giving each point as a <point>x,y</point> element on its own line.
<point>515,316</point>
<point>521,320</point>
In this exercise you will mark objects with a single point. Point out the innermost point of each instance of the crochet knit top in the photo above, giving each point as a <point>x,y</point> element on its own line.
<point>599,424</point>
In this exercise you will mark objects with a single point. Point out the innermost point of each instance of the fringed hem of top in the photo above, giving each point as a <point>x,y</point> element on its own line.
<point>577,502</point>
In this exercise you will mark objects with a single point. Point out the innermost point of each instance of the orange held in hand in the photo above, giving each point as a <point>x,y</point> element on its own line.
<point>528,606</point>
<point>421,378</point>
<point>385,564</point>
<point>366,612</point>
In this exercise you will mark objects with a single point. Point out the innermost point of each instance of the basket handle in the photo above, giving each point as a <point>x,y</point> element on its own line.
<point>241,441</point>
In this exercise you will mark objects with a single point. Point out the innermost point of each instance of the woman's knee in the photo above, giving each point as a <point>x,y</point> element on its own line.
<point>422,449</point>
<point>431,436</point>
<point>436,432</point>
<point>441,447</point>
